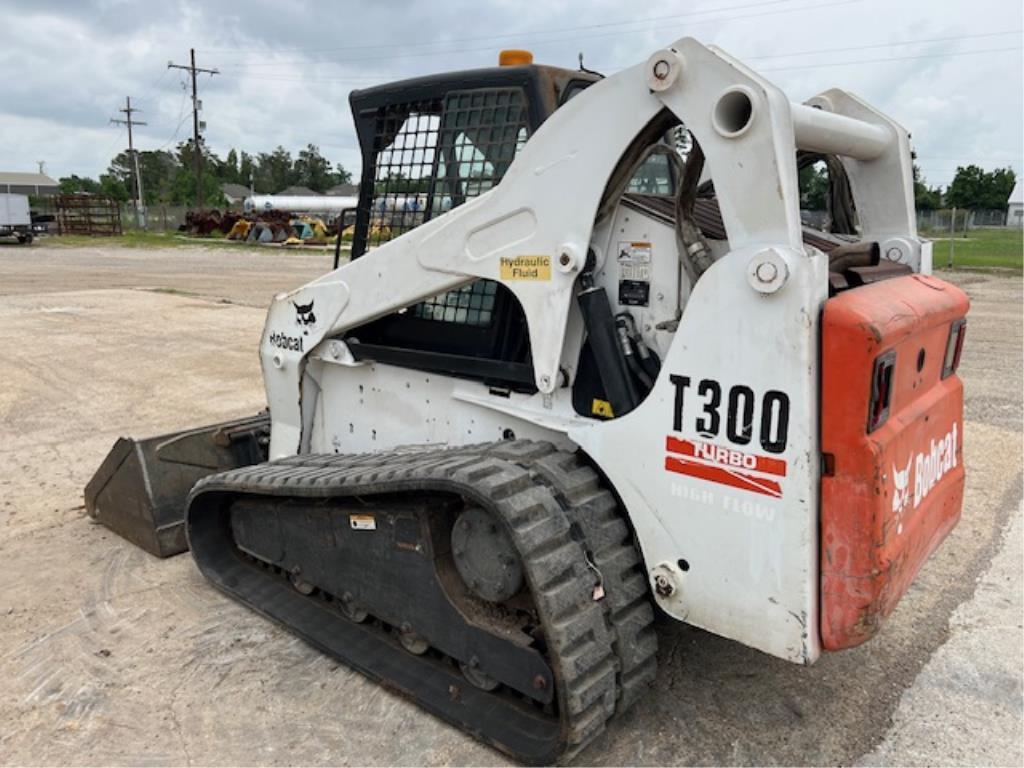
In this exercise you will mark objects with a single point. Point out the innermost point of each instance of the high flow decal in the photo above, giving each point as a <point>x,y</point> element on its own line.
<point>736,416</point>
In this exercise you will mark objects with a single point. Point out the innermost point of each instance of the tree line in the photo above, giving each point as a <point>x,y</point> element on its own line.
<point>972,188</point>
<point>169,176</point>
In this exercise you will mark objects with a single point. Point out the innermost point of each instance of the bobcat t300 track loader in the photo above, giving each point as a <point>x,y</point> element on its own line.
<point>528,412</point>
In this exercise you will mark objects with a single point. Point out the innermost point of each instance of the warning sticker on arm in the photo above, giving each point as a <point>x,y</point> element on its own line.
<point>634,259</point>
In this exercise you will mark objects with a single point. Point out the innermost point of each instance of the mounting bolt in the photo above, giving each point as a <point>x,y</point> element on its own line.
<point>663,69</point>
<point>539,683</point>
<point>336,350</point>
<point>663,586</point>
<point>570,257</point>
<point>766,272</point>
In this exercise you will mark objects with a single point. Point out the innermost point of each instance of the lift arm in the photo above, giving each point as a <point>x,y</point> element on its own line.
<point>533,231</point>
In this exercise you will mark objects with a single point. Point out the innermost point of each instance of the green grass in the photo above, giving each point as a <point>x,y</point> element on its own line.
<point>982,248</point>
<point>139,239</point>
<point>135,239</point>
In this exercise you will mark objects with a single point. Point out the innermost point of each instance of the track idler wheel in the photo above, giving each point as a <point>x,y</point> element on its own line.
<point>485,556</point>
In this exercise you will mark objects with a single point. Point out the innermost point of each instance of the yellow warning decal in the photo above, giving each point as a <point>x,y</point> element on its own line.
<point>602,408</point>
<point>362,522</point>
<point>526,268</point>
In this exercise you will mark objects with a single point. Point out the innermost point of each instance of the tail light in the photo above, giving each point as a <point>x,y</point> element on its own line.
<point>954,347</point>
<point>881,389</point>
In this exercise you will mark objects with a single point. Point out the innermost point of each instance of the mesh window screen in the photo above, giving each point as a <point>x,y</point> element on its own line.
<point>405,162</point>
<point>432,156</point>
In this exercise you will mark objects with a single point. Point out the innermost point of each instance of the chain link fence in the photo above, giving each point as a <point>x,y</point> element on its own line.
<point>159,217</point>
<point>939,222</point>
<point>959,220</point>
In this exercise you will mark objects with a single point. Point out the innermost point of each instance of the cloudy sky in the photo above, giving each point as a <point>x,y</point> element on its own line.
<point>948,70</point>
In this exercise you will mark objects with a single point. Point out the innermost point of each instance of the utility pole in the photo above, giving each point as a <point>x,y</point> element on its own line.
<point>196,125</point>
<point>952,235</point>
<point>140,206</point>
<point>42,166</point>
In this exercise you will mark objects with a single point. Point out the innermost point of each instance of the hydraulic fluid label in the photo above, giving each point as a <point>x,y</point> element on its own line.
<point>526,268</point>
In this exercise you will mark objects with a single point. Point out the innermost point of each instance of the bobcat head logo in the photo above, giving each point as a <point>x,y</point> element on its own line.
<point>901,490</point>
<point>304,315</point>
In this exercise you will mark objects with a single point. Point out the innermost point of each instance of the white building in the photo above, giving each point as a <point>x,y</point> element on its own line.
<point>1015,207</point>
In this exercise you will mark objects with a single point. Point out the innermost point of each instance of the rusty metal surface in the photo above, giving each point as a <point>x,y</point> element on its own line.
<point>88,215</point>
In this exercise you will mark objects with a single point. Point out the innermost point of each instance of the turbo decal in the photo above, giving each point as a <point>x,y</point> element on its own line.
<point>722,465</point>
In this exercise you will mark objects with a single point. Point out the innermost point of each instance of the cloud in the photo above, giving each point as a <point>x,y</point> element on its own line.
<point>286,69</point>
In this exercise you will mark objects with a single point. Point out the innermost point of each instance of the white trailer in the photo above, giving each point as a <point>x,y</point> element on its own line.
<point>15,220</point>
<point>329,204</point>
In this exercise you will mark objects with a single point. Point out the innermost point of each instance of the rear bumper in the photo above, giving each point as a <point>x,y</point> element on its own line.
<point>892,495</point>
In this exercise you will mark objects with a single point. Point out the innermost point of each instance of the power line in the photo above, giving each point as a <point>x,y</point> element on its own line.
<point>284,77</point>
<point>196,106</point>
<point>137,186</point>
<point>152,88</point>
<point>390,45</point>
<point>891,58</point>
<point>182,116</point>
<point>362,79</point>
<point>393,54</point>
<point>883,45</point>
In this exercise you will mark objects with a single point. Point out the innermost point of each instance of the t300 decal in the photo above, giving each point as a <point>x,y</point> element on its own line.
<point>746,414</point>
<point>743,409</point>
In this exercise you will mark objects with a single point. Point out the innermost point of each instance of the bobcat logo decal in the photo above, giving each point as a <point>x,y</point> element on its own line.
<point>901,491</point>
<point>304,316</point>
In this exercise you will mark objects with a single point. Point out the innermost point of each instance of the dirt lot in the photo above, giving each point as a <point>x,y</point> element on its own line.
<point>110,656</point>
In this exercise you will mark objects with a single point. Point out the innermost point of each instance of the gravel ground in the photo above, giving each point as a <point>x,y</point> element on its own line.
<point>110,656</point>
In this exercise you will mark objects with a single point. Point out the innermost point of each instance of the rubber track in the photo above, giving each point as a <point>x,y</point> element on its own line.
<point>609,542</point>
<point>587,640</point>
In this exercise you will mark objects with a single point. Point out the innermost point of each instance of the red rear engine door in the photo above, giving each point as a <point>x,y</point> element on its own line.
<point>892,439</point>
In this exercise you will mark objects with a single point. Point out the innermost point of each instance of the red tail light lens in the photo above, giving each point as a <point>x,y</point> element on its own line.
<point>881,390</point>
<point>954,347</point>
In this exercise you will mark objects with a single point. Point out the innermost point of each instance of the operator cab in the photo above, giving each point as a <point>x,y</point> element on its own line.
<point>428,145</point>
